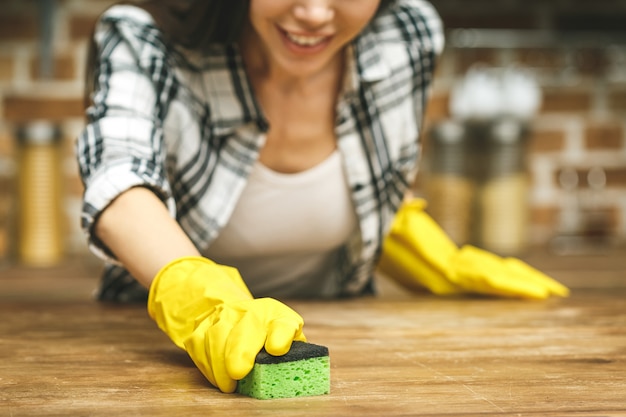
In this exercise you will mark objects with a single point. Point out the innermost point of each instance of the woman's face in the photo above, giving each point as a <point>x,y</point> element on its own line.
<point>302,37</point>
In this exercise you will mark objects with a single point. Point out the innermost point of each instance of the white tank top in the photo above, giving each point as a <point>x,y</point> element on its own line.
<point>286,229</point>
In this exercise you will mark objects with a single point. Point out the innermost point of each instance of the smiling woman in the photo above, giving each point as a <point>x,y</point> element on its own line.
<point>176,88</point>
<point>211,135</point>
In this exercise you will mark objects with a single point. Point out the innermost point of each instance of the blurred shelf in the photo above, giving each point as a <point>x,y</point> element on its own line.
<point>532,38</point>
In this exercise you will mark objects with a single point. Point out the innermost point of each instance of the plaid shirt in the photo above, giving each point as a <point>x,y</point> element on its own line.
<point>188,127</point>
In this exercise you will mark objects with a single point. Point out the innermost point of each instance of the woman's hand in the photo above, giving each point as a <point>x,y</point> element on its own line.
<point>207,310</point>
<point>419,255</point>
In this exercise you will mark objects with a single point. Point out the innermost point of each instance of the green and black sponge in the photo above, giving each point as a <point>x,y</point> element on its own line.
<point>303,371</point>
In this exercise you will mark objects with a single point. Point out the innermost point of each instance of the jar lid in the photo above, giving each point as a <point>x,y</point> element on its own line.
<point>39,132</point>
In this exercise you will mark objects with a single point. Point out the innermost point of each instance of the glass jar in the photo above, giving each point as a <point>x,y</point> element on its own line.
<point>39,237</point>
<point>448,186</point>
<point>502,196</point>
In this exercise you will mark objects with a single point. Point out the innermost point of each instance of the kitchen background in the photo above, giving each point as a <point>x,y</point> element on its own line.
<point>525,142</point>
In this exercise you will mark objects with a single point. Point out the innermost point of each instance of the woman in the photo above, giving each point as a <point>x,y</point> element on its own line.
<point>274,142</point>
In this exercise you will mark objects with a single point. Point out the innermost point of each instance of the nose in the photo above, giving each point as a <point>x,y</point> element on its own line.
<point>314,13</point>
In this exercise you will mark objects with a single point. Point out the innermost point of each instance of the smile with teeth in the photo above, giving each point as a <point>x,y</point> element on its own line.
<point>305,40</point>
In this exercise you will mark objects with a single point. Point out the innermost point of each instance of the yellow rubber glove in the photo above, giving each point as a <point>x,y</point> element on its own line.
<point>419,255</point>
<point>207,310</point>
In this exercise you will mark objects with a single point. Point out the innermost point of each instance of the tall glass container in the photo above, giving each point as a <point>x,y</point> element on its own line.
<point>448,186</point>
<point>502,199</point>
<point>40,220</point>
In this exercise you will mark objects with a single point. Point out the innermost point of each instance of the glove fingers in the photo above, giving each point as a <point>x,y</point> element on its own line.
<point>195,346</point>
<point>483,272</point>
<point>244,342</point>
<point>284,327</point>
<point>300,337</point>
<point>506,285</point>
<point>207,346</point>
<point>224,345</point>
<point>272,324</point>
<point>281,333</point>
<point>553,286</point>
<point>216,343</point>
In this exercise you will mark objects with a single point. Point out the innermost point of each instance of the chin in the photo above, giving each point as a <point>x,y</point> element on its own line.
<point>305,67</point>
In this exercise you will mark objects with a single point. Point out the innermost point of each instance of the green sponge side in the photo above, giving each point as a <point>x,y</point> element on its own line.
<point>301,378</point>
<point>305,371</point>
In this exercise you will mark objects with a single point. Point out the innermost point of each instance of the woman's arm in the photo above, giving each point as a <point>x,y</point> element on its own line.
<point>187,289</point>
<point>139,230</point>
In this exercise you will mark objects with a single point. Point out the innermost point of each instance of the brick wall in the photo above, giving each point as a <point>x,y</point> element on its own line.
<point>580,127</point>
<point>28,95</point>
<point>577,53</point>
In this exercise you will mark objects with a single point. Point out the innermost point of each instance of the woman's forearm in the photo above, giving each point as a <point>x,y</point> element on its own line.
<point>139,230</point>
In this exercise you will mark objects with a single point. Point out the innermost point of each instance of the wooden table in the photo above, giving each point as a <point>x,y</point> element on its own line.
<point>62,354</point>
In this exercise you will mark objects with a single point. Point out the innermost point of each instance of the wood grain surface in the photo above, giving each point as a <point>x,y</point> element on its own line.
<point>62,354</point>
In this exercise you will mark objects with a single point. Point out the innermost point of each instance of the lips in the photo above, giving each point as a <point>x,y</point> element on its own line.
<point>304,44</point>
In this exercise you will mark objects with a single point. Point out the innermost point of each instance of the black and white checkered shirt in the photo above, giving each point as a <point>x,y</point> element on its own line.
<point>188,127</point>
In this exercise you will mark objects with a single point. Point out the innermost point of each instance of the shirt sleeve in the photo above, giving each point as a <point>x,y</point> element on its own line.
<point>121,145</point>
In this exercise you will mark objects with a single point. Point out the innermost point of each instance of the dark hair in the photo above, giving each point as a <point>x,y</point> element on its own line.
<point>192,24</point>
<point>195,24</point>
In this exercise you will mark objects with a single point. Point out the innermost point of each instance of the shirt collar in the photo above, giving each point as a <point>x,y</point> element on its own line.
<point>364,62</point>
<point>369,56</point>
